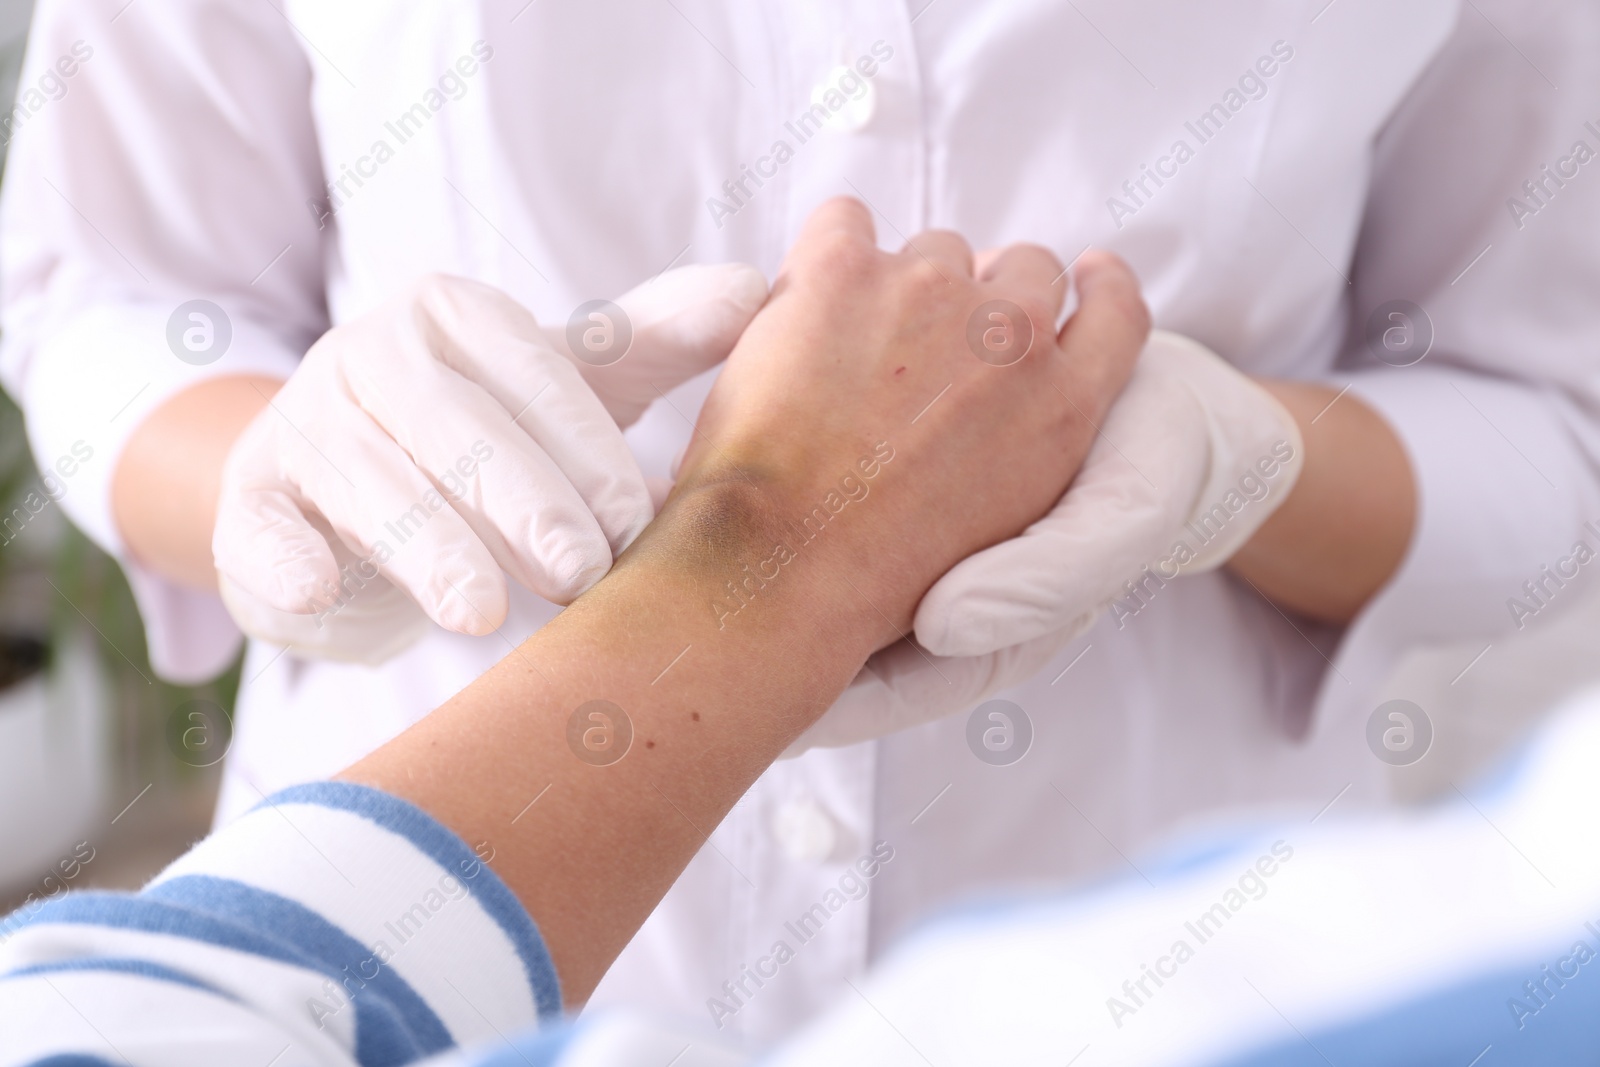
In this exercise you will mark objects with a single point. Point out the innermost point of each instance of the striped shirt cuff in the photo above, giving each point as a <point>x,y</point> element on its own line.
<point>331,919</point>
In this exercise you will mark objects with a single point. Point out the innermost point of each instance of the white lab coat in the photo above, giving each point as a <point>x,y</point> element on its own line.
<point>190,156</point>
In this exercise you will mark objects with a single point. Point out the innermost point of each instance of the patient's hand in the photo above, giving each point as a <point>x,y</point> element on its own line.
<point>724,632</point>
<point>862,355</point>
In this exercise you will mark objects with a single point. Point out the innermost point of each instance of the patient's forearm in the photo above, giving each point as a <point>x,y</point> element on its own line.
<point>712,700</point>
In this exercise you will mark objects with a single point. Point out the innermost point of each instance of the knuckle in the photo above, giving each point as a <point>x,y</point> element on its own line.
<point>924,277</point>
<point>1122,298</point>
<point>845,256</point>
<point>1029,248</point>
<point>1041,315</point>
<point>1137,311</point>
<point>955,239</point>
<point>842,203</point>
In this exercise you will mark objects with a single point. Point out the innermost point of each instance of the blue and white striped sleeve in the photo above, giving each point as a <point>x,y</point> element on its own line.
<point>336,926</point>
<point>332,925</point>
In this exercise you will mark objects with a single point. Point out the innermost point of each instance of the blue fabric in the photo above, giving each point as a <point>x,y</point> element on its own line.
<point>446,849</point>
<point>1453,1026</point>
<point>142,968</point>
<point>333,952</point>
<point>527,1050</point>
<point>385,1030</point>
<point>72,1059</point>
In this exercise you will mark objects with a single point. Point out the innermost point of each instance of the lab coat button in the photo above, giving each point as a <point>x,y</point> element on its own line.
<point>849,98</point>
<point>804,831</point>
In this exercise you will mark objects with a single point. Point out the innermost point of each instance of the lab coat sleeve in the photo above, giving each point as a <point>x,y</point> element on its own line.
<point>160,154</point>
<point>1501,417</point>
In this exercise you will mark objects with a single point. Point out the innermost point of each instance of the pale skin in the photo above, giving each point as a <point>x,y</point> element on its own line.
<point>1346,526</point>
<point>167,482</point>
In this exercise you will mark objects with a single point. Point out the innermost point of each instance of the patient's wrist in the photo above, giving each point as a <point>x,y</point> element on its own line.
<point>764,555</point>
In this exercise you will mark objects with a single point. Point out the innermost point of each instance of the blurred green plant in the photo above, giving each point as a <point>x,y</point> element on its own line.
<point>56,585</point>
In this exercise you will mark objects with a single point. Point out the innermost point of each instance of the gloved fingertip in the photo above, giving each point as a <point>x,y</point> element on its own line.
<point>575,571</point>
<point>299,587</point>
<point>626,539</point>
<point>622,518</point>
<point>961,647</point>
<point>476,608</point>
<point>932,633</point>
<point>747,286</point>
<point>943,631</point>
<point>660,489</point>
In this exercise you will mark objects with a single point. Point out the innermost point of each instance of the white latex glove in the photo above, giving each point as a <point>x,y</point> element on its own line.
<point>1188,435</point>
<point>420,451</point>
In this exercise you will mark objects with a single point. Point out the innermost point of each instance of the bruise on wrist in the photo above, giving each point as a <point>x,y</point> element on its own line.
<point>730,542</point>
<point>711,523</point>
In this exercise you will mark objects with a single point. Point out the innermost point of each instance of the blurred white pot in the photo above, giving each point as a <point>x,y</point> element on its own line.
<point>54,763</point>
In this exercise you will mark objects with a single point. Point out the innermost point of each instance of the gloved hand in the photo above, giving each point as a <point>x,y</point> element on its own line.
<point>420,451</point>
<point>1193,458</point>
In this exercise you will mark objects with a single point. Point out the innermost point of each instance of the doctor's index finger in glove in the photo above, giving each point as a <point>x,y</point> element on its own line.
<point>682,323</point>
<point>372,496</point>
<point>676,326</point>
<point>469,364</point>
<point>443,440</point>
